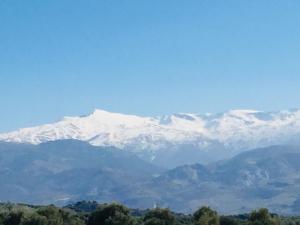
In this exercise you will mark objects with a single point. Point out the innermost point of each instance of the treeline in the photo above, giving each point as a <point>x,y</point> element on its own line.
<point>90,213</point>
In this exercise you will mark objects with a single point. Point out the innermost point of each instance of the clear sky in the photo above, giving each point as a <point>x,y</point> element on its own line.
<point>146,57</point>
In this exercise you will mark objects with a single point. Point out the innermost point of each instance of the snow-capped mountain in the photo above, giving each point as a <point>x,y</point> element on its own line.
<point>235,129</point>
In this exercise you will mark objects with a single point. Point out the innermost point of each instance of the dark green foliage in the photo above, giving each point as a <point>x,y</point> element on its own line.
<point>117,214</point>
<point>181,219</point>
<point>206,216</point>
<point>159,217</point>
<point>111,214</point>
<point>290,221</point>
<point>35,219</point>
<point>13,218</point>
<point>27,215</point>
<point>56,216</point>
<point>263,217</point>
<point>53,215</point>
<point>227,220</point>
<point>83,206</point>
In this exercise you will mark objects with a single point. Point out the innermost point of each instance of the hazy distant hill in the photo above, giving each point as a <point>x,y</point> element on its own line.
<point>61,172</point>
<point>267,177</point>
<point>56,172</point>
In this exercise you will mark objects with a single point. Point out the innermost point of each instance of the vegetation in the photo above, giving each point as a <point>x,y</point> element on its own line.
<point>91,213</point>
<point>159,217</point>
<point>206,216</point>
<point>110,214</point>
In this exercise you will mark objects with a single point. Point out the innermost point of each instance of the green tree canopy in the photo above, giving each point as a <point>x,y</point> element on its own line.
<point>159,216</point>
<point>111,214</point>
<point>13,218</point>
<point>263,217</point>
<point>35,219</point>
<point>206,216</point>
<point>226,220</point>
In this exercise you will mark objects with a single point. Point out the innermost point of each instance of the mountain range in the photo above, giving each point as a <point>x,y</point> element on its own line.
<point>234,161</point>
<point>172,140</point>
<point>63,172</point>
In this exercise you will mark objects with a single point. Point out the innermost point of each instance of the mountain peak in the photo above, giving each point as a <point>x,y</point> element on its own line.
<point>236,129</point>
<point>242,112</point>
<point>99,112</point>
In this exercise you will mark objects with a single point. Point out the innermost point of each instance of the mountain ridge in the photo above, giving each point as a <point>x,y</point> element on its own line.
<point>67,171</point>
<point>209,135</point>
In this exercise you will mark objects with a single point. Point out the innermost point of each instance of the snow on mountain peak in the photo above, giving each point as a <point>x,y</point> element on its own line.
<point>242,112</point>
<point>249,128</point>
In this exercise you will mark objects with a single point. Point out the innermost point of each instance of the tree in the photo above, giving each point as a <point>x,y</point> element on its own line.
<point>226,220</point>
<point>52,214</point>
<point>111,214</point>
<point>159,217</point>
<point>35,219</point>
<point>13,218</point>
<point>263,217</point>
<point>206,216</point>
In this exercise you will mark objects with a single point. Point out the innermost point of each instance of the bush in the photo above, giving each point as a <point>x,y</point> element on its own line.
<point>111,214</point>
<point>263,217</point>
<point>159,217</point>
<point>206,216</point>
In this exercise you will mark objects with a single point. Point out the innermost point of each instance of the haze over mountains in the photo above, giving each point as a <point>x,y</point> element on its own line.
<point>179,161</point>
<point>172,140</point>
<point>63,172</point>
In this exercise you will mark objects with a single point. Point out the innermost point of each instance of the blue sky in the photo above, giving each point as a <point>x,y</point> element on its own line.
<point>66,57</point>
